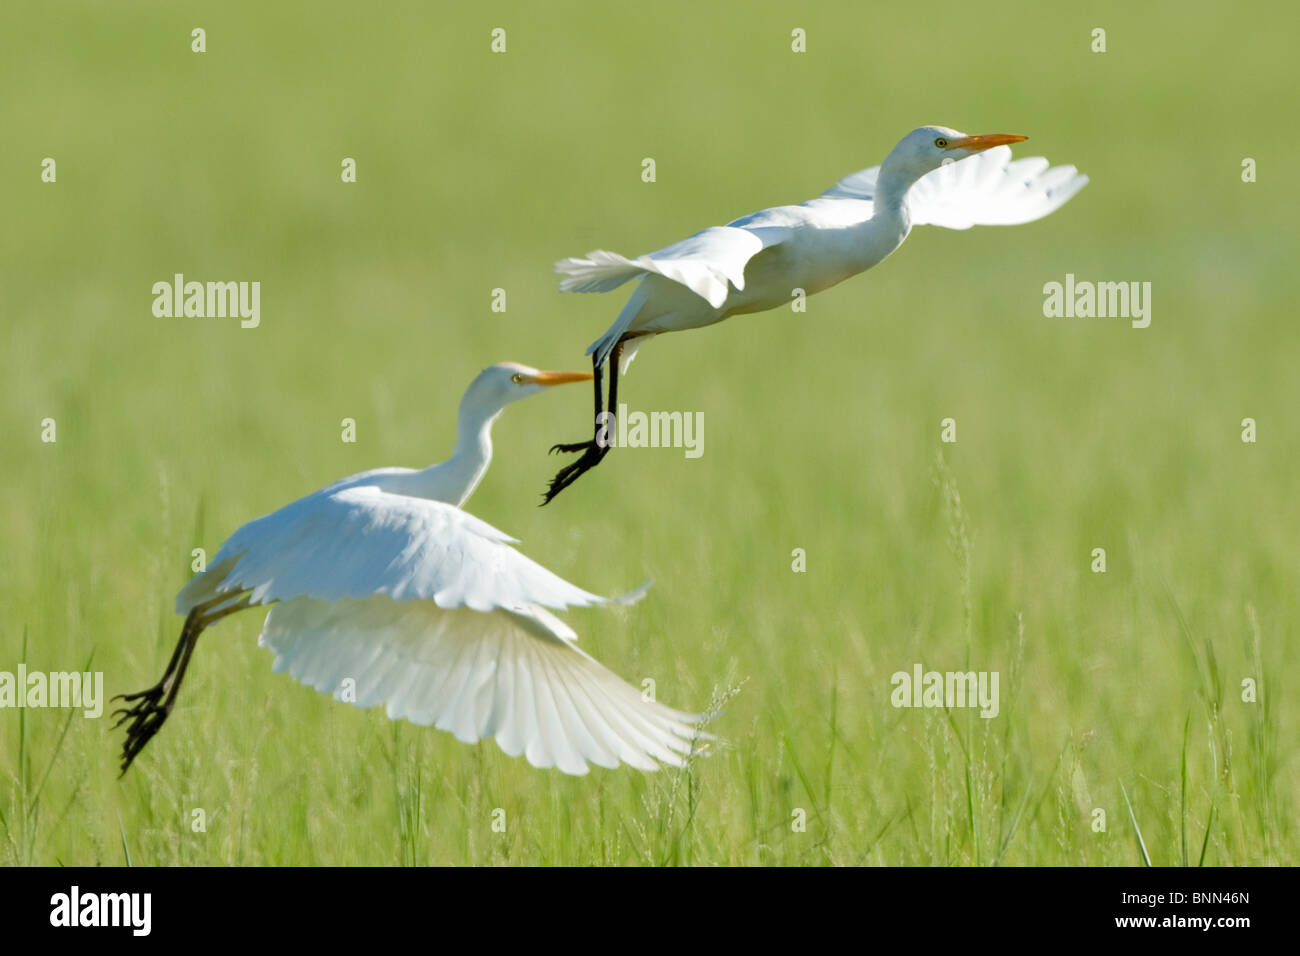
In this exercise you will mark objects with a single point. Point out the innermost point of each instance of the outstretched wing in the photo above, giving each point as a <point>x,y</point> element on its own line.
<point>859,185</point>
<point>705,263</point>
<point>359,541</point>
<point>383,598</point>
<point>513,676</point>
<point>987,189</point>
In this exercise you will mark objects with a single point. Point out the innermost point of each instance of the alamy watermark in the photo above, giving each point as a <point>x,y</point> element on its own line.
<point>652,430</point>
<point>213,300</point>
<point>53,689</point>
<point>130,910</point>
<point>1103,300</point>
<point>923,688</point>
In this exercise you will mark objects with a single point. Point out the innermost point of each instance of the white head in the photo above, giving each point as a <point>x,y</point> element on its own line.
<point>455,479</point>
<point>498,385</point>
<point>928,147</point>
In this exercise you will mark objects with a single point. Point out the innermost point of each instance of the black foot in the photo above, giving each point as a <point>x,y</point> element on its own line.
<point>570,447</point>
<point>592,453</point>
<point>146,716</point>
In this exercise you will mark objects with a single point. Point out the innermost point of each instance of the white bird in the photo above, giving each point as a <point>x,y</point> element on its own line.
<point>385,592</point>
<point>756,263</point>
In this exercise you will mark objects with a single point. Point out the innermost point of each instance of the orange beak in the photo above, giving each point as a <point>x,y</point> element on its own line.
<point>977,143</point>
<point>560,378</point>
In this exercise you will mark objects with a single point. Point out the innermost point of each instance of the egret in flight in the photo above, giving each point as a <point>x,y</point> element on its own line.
<point>384,591</point>
<point>935,176</point>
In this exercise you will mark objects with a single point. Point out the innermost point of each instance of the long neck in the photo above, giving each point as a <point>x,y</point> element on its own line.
<point>895,179</point>
<point>875,238</point>
<point>455,479</point>
<point>870,241</point>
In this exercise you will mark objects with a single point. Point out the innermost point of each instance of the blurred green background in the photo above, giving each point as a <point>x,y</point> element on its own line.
<point>478,171</point>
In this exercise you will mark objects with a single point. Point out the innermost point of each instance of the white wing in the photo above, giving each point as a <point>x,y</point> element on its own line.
<point>359,541</point>
<point>705,263</point>
<point>859,185</point>
<point>430,611</point>
<point>512,676</point>
<point>987,189</point>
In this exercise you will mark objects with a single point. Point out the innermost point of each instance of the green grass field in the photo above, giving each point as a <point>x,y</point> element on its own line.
<point>477,171</point>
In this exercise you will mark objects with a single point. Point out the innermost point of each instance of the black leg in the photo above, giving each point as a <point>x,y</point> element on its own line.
<point>153,706</point>
<point>150,710</point>
<point>191,620</point>
<point>596,369</point>
<point>596,449</point>
<point>614,357</point>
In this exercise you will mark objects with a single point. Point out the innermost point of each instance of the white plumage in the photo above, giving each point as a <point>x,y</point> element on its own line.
<point>356,539</point>
<point>986,189</point>
<point>384,592</point>
<point>935,175</point>
<point>848,229</point>
<point>512,675</point>
<point>704,263</point>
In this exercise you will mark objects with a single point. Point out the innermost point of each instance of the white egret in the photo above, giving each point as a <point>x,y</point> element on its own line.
<point>935,176</point>
<point>385,592</point>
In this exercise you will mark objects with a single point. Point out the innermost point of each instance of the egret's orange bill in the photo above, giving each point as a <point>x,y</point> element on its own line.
<point>987,141</point>
<point>561,378</point>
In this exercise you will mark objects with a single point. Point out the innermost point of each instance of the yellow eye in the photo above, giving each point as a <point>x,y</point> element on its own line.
<point>517,378</point>
<point>941,143</point>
